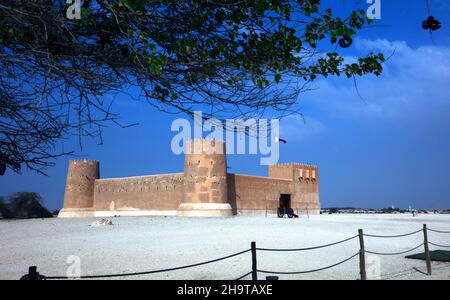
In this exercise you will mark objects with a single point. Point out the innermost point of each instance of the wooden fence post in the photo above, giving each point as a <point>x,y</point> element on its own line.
<point>362,255</point>
<point>32,274</point>
<point>254,268</point>
<point>427,250</point>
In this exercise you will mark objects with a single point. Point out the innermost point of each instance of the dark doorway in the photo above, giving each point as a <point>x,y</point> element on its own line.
<point>285,200</point>
<point>285,207</point>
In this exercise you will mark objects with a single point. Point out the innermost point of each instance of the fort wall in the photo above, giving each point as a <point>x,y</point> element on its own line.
<point>152,194</point>
<point>254,194</point>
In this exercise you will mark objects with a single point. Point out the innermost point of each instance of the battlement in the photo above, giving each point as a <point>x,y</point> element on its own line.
<point>294,171</point>
<point>205,146</point>
<point>295,165</point>
<point>85,161</point>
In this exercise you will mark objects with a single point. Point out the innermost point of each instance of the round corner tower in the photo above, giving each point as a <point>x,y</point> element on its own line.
<point>205,179</point>
<point>79,193</point>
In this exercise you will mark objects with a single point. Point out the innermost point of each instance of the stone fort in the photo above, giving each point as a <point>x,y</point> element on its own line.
<point>205,188</point>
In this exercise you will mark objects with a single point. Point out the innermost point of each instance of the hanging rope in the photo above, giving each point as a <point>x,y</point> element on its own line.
<point>310,271</point>
<point>438,231</point>
<point>393,253</point>
<point>150,272</point>
<point>392,236</point>
<point>308,248</point>
<point>243,276</point>
<point>437,245</point>
<point>428,7</point>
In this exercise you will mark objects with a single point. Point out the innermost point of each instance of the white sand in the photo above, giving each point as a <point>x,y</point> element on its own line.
<point>136,244</point>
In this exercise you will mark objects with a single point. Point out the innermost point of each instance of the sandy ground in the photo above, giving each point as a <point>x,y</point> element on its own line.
<point>135,244</point>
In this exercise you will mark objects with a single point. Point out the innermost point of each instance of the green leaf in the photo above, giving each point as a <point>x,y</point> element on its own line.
<point>85,12</point>
<point>277,78</point>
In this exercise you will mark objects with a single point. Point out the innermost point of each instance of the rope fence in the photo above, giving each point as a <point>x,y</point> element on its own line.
<point>309,248</point>
<point>438,231</point>
<point>243,276</point>
<point>151,272</point>
<point>394,253</point>
<point>437,245</point>
<point>393,236</point>
<point>34,275</point>
<point>310,271</point>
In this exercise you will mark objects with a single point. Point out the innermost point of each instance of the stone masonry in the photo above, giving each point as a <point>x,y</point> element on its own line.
<point>203,189</point>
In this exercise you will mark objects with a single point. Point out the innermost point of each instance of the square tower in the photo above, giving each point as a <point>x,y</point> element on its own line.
<point>305,179</point>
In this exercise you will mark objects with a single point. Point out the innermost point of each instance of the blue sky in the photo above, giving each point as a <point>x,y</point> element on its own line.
<point>393,148</point>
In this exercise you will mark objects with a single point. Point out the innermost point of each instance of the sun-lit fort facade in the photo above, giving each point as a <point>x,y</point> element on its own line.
<point>205,188</point>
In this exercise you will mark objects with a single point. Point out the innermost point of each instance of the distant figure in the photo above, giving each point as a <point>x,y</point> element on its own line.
<point>414,213</point>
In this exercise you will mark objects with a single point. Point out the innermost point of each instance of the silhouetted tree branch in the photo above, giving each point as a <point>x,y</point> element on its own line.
<point>227,58</point>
